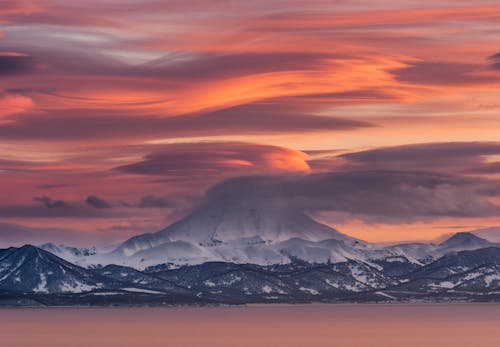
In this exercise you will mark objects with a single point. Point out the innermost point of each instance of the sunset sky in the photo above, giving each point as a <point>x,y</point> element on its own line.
<point>380,117</point>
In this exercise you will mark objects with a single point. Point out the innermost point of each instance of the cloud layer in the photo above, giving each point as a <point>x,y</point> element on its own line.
<point>452,157</point>
<point>388,196</point>
<point>218,159</point>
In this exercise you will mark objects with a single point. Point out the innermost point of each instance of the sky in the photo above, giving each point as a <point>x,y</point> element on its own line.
<point>379,118</point>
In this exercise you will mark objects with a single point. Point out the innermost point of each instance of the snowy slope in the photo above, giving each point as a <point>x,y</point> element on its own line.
<point>68,252</point>
<point>258,232</point>
<point>466,271</point>
<point>463,241</point>
<point>212,225</point>
<point>30,269</point>
<point>241,233</point>
<point>30,273</point>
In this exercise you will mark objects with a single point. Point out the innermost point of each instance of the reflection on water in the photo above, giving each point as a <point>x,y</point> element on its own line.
<point>280,325</point>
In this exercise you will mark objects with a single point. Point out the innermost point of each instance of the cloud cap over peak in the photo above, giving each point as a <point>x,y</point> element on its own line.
<point>371,195</point>
<point>218,158</point>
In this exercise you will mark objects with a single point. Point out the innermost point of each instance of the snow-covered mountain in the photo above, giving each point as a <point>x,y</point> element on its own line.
<point>286,282</point>
<point>68,252</point>
<point>463,241</point>
<point>237,226</point>
<point>213,224</point>
<point>414,252</point>
<point>264,236</point>
<point>458,272</point>
<point>242,233</point>
<point>168,246</point>
<point>149,250</point>
<point>31,269</point>
<point>31,276</point>
<point>234,249</point>
<point>425,253</point>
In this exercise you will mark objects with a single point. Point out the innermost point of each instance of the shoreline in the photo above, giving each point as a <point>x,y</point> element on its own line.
<point>254,305</point>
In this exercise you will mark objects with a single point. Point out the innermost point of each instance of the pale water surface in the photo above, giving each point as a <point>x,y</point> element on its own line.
<point>277,325</point>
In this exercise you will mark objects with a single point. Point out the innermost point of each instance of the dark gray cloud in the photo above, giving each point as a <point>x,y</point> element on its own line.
<point>178,66</point>
<point>34,211</point>
<point>495,56</point>
<point>91,207</point>
<point>215,66</point>
<point>443,73</point>
<point>454,157</point>
<point>361,95</point>
<point>14,165</point>
<point>256,118</point>
<point>47,207</point>
<point>51,203</point>
<point>15,64</point>
<point>484,169</point>
<point>495,61</point>
<point>281,114</point>
<point>97,202</point>
<point>56,185</point>
<point>388,196</point>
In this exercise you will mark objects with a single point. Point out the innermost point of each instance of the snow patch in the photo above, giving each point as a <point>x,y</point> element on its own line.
<point>76,287</point>
<point>140,290</point>
<point>42,286</point>
<point>209,283</point>
<point>309,290</point>
<point>385,295</point>
<point>267,289</point>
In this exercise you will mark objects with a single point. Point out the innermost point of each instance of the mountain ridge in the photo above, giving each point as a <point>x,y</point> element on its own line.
<point>471,275</point>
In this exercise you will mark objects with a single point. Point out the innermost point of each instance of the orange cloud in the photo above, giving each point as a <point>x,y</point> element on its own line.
<point>289,160</point>
<point>10,7</point>
<point>11,104</point>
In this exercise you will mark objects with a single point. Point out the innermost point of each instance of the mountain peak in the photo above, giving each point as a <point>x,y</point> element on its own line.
<point>31,269</point>
<point>465,239</point>
<point>237,230</point>
<point>26,249</point>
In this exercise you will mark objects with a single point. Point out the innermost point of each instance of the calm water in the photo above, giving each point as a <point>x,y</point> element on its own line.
<point>301,325</point>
